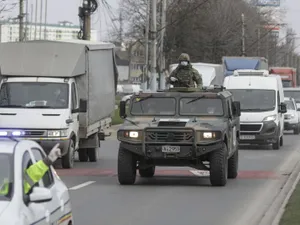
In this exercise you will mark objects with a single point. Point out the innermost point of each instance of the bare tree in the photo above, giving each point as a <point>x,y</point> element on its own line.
<point>6,6</point>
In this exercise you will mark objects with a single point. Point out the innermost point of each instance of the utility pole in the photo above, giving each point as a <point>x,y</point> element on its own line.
<point>35,19</point>
<point>153,55</point>
<point>31,22</point>
<point>27,20</point>
<point>243,35</point>
<point>146,66</point>
<point>41,18</point>
<point>21,20</point>
<point>268,45</point>
<point>85,14</point>
<point>162,53</point>
<point>45,28</point>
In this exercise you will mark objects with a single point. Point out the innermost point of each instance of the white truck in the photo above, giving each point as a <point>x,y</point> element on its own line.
<point>58,92</point>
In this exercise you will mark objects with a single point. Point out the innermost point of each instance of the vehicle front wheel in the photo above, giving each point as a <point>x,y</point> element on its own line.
<point>126,167</point>
<point>276,145</point>
<point>92,154</point>
<point>148,172</point>
<point>67,161</point>
<point>219,167</point>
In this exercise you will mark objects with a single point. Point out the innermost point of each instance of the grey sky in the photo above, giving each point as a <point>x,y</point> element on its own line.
<point>68,10</point>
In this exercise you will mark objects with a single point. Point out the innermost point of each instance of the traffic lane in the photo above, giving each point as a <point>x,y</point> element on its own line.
<point>157,200</point>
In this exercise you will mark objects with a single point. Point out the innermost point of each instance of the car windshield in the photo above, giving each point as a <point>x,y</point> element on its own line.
<point>287,83</point>
<point>293,94</point>
<point>6,176</point>
<point>201,106</point>
<point>289,105</point>
<point>255,100</point>
<point>34,95</point>
<point>153,106</point>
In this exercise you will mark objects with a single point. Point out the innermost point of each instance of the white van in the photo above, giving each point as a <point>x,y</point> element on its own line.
<point>262,106</point>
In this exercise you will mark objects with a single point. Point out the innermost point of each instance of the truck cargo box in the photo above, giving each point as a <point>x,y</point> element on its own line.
<point>92,64</point>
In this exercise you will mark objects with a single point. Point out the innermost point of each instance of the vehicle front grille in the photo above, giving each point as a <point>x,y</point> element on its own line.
<point>250,127</point>
<point>33,133</point>
<point>169,136</point>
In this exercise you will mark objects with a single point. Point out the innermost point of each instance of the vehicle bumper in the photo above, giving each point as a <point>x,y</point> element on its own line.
<point>267,135</point>
<point>290,125</point>
<point>154,151</point>
<point>48,143</point>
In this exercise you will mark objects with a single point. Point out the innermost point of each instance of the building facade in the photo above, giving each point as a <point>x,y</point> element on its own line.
<point>9,31</point>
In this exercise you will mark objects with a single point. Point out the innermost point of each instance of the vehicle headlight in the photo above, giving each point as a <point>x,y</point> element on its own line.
<point>130,134</point>
<point>57,133</point>
<point>208,135</point>
<point>270,118</point>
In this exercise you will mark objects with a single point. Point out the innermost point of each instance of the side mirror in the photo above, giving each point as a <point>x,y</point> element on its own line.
<point>236,108</point>
<point>123,109</point>
<point>40,195</point>
<point>282,108</point>
<point>82,105</point>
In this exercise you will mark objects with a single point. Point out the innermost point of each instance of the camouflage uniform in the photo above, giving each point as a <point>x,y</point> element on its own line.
<point>185,75</point>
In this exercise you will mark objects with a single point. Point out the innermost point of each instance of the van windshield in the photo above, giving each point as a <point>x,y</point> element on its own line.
<point>34,95</point>
<point>255,100</point>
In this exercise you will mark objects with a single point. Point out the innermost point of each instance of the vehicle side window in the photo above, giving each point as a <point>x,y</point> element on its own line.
<point>74,96</point>
<point>26,163</point>
<point>48,177</point>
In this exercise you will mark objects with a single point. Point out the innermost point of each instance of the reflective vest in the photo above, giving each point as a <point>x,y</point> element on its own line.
<point>32,175</point>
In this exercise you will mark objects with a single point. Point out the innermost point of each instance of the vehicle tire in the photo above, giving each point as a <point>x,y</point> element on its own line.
<point>92,154</point>
<point>126,167</point>
<point>276,145</point>
<point>148,172</point>
<point>67,161</point>
<point>233,165</point>
<point>296,130</point>
<point>219,167</point>
<point>82,155</point>
<point>281,141</point>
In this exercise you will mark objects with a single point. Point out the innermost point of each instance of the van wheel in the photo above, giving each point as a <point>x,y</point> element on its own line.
<point>281,141</point>
<point>219,167</point>
<point>92,154</point>
<point>67,161</point>
<point>276,145</point>
<point>83,156</point>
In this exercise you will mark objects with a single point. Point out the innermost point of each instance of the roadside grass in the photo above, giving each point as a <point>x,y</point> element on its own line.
<point>291,214</point>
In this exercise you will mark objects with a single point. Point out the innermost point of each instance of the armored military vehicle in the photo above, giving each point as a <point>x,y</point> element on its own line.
<point>179,127</point>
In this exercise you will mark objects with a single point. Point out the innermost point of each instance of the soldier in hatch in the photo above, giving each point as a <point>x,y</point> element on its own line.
<point>185,75</point>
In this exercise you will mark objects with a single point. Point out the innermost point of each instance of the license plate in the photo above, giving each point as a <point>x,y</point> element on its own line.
<point>247,137</point>
<point>171,149</point>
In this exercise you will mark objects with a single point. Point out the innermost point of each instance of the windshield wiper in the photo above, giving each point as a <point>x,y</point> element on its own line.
<point>195,99</point>
<point>132,122</point>
<point>11,106</point>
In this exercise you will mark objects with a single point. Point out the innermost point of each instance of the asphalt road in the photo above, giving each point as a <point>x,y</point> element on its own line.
<point>175,196</point>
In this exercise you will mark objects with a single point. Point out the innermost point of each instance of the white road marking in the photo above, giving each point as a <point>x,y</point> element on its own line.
<point>200,173</point>
<point>82,185</point>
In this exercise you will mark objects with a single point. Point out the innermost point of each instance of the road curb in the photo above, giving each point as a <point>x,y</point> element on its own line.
<point>281,210</point>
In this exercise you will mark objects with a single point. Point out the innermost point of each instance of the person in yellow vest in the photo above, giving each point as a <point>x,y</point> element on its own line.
<point>35,172</point>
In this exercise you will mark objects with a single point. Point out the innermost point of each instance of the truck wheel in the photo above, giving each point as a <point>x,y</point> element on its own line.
<point>67,161</point>
<point>126,167</point>
<point>149,172</point>
<point>219,167</point>
<point>92,154</point>
<point>233,165</point>
<point>276,145</point>
<point>83,156</point>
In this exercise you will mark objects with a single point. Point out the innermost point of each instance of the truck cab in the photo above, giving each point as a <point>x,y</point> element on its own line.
<point>287,74</point>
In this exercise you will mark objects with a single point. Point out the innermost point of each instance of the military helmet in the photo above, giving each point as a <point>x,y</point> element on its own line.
<point>184,57</point>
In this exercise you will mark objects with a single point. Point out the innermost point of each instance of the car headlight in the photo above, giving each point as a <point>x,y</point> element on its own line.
<point>208,135</point>
<point>270,118</point>
<point>130,134</point>
<point>57,133</point>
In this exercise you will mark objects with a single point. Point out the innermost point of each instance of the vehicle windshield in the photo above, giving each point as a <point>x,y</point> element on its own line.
<point>287,83</point>
<point>201,106</point>
<point>293,94</point>
<point>34,95</point>
<point>6,176</point>
<point>289,105</point>
<point>153,106</point>
<point>255,100</point>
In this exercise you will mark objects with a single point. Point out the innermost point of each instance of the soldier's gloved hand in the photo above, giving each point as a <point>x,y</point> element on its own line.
<point>173,79</point>
<point>54,154</point>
